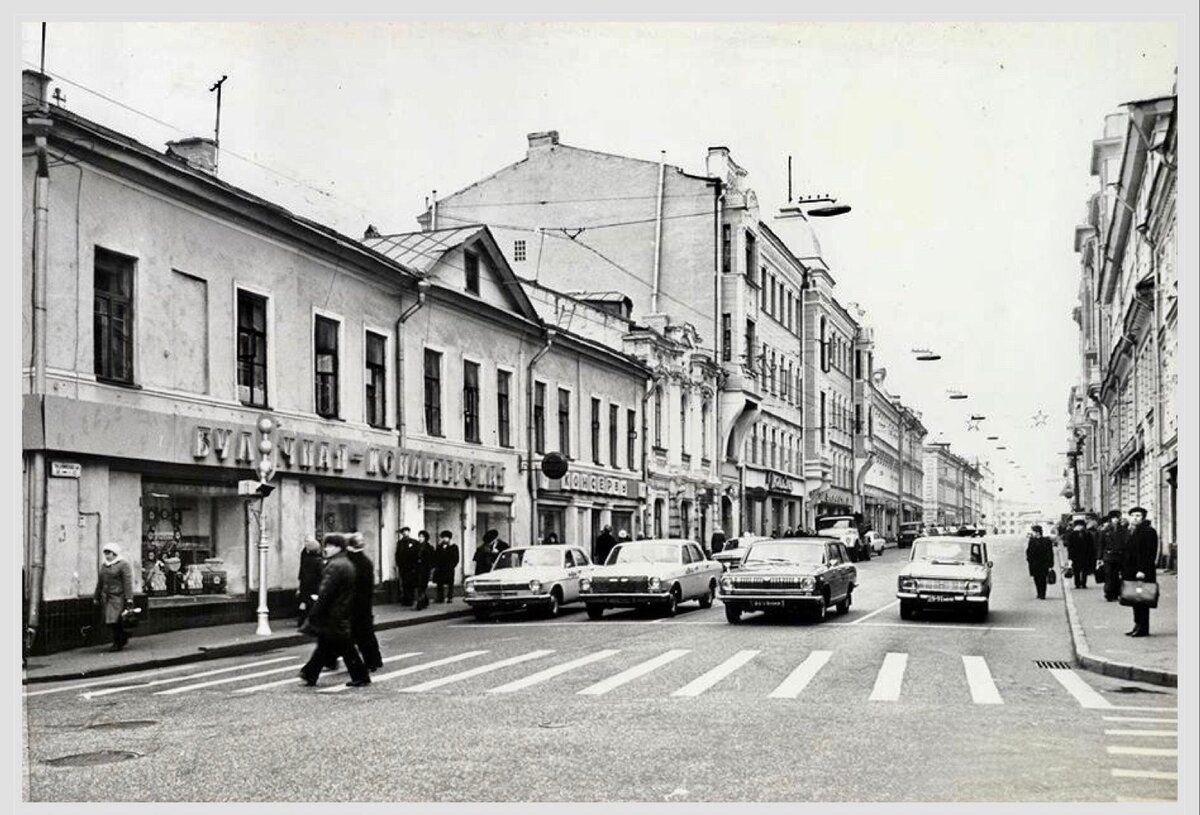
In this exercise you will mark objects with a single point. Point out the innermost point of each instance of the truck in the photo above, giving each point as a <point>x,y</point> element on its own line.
<point>849,530</point>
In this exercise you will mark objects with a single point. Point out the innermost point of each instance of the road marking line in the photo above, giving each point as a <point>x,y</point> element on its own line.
<point>890,678</point>
<point>873,613</point>
<point>412,669</point>
<point>1124,799</point>
<point>153,683</point>
<point>1170,734</point>
<point>979,680</point>
<point>228,679</point>
<point>109,680</point>
<point>1146,708</point>
<point>702,683</point>
<point>796,681</point>
<point>630,674</point>
<point>935,626</point>
<point>1084,694</point>
<point>482,669</point>
<point>550,673</point>
<point>1140,720</point>
<point>1156,774</point>
<point>291,680</point>
<point>1142,751</point>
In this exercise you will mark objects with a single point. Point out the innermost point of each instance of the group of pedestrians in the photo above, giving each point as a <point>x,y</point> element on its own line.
<point>418,562</point>
<point>1115,551</point>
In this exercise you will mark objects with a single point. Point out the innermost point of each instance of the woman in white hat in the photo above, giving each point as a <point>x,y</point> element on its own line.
<point>114,592</point>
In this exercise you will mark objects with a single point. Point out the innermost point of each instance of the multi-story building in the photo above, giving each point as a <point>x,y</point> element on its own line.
<point>951,488</point>
<point>892,493</point>
<point>1124,413</point>
<point>1016,518</point>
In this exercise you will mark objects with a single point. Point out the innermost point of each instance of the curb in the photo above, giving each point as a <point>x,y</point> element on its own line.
<point>1120,670</point>
<point>238,649</point>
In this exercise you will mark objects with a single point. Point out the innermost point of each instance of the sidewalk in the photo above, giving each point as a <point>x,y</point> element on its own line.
<point>1098,633</point>
<point>213,642</point>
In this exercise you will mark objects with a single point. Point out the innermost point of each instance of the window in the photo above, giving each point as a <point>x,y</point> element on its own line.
<point>658,418</point>
<point>518,251</point>
<point>726,337</point>
<point>762,289</point>
<point>726,248</point>
<point>751,253</point>
<point>503,415</point>
<point>613,416</point>
<point>822,417</point>
<point>705,407</point>
<point>433,393</point>
<point>857,418</point>
<point>471,401</point>
<point>630,438</point>
<point>376,379</point>
<point>824,349</point>
<point>774,449</point>
<point>252,349</point>
<point>754,444</point>
<point>595,431</point>
<point>750,346</point>
<point>539,418</point>
<point>112,316</point>
<point>771,300</point>
<point>683,423</point>
<point>325,346</point>
<point>564,422</point>
<point>858,364</point>
<point>471,268</point>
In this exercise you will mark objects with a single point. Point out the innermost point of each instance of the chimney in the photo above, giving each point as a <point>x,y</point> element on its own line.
<point>199,153</point>
<point>543,140</point>
<point>717,163</point>
<point>34,85</point>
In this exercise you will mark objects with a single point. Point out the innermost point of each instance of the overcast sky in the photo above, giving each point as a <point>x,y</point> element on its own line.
<point>963,150</point>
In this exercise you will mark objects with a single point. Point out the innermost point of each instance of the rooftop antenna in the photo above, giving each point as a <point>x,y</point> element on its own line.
<point>42,68</point>
<point>217,130</point>
<point>789,198</point>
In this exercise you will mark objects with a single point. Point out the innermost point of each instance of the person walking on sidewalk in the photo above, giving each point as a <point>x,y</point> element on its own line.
<point>423,562</point>
<point>362,617</point>
<point>330,617</point>
<point>1081,551</point>
<point>1115,540</point>
<point>1141,561</point>
<point>406,566</point>
<point>311,565</point>
<point>114,593</point>
<point>1039,554</point>
<point>445,561</point>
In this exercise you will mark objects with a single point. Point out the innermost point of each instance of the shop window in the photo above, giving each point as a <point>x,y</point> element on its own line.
<point>471,268</point>
<point>658,518</point>
<point>613,414</point>
<point>352,512</point>
<point>564,422</point>
<point>112,316</point>
<point>182,525</point>
<point>252,349</point>
<point>471,402</point>
<point>376,379</point>
<point>325,347</point>
<point>503,406</point>
<point>433,393</point>
<point>631,438</point>
<point>595,431</point>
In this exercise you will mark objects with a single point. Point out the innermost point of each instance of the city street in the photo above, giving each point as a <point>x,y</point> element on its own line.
<point>860,707</point>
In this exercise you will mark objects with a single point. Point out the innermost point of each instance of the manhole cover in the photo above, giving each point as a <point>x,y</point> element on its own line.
<point>125,725</point>
<point>1050,663</point>
<point>1133,689</point>
<point>92,759</point>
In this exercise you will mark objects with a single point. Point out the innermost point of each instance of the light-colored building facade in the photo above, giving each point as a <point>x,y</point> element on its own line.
<point>893,488</point>
<point>952,488</point>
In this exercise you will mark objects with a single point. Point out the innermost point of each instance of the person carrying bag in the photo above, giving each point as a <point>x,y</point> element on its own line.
<point>1139,579</point>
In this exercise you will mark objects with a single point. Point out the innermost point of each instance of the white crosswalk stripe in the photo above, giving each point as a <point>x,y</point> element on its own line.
<point>1157,775</point>
<point>1140,720</point>
<point>1084,694</point>
<point>798,679</point>
<point>156,682</point>
<point>702,683</point>
<point>606,685</point>
<point>1170,734</point>
<point>890,678</point>
<point>1122,750</point>
<point>115,679</point>
<point>226,680</point>
<point>412,669</point>
<point>550,673</point>
<point>979,681</point>
<point>482,669</point>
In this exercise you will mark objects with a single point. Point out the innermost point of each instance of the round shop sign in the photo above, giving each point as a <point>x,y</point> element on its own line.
<point>554,465</point>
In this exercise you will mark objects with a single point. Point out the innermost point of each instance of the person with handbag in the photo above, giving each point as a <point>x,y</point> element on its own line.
<point>1141,561</point>
<point>1039,554</point>
<point>114,593</point>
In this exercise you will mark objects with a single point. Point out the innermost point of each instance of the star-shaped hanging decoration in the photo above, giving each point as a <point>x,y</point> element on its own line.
<point>1040,418</point>
<point>972,424</point>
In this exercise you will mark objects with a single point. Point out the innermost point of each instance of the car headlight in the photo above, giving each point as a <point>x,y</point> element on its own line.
<point>469,588</point>
<point>726,584</point>
<point>974,587</point>
<point>907,584</point>
<point>535,586</point>
<point>807,583</point>
<point>585,584</point>
<point>655,584</point>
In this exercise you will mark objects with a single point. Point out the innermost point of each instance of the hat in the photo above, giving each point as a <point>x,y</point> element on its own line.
<point>1138,509</point>
<point>445,533</point>
<point>490,535</point>
<point>335,539</point>
<point>1037,528</point>
<point>1115,514</point>
<point>404,529</point>
<point>115,548</point>
<point>354,542</point>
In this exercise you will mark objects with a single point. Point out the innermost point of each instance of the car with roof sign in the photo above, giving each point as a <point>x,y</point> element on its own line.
<point>657,573</point>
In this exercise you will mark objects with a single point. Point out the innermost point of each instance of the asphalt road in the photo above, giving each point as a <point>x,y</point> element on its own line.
<point>861,707</point>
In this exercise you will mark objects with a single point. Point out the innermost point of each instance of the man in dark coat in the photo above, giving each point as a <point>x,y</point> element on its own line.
<point>604,544</point>
<point>1039,554</point>
<point>445,561</point>
<point>484,557</point>
<point>422,570</point>
<point>718,541</point>
<point>311,566</point>
<point>1115,539</point>
<point>331,616</point>
<point>1141,561</point>
<point>1081,551</point>
<point>406,566</point>
<point>362,617</point>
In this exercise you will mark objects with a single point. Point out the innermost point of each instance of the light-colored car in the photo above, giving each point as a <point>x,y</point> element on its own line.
<point>542,578</point>
<point>735,549</point>
<point>946,572</point>
<point>876,541</point>
<point>659,573</point>
<point>791,573</point>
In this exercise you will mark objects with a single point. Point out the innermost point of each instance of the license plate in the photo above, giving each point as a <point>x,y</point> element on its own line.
<point>939,598</point>
<point>768,603</point>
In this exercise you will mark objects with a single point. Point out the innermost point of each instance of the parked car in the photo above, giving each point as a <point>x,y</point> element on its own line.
<point>876,542</point>
<point>909,532</point>
<point>792,573</point>
<point>846,529</point>
<point>735,549</point>
<point>946,572</point>
<point>656,573</point>
<point>541,578</point>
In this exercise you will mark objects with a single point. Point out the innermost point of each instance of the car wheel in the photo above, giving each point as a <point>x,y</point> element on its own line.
<point>481,614</point>
<point>706,599</point>
<point>906,610</point>
<point>733,615</point>
<point>672,606</point>
<point>843,607</point>
<point>552,607</point>
<point>594,612</point>
<point>822,610</point>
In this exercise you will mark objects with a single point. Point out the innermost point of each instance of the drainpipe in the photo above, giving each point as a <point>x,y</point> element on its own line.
<point>718,345</point>
<point>422,293</point>
<point>658,216</point>
<point>533,482</point>
<point>433,214</point>
<point>804,419</point>
<point>40,123</point>
<point>652,386</point>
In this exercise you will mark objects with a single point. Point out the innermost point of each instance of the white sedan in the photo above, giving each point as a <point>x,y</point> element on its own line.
<point>532,577</point>
<point>877,542</point>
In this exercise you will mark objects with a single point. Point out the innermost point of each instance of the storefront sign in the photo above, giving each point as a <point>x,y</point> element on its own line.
<point>65,469</point>
<point>597,484</point>
<point>778,482</point>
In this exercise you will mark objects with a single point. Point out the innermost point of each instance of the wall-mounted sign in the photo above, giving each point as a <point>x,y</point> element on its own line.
<point>595,484</point>
<point>65,469</point>
<point>778,482</point>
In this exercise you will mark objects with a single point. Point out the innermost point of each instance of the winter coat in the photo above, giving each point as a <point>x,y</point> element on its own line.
<point>718,542</point>
<point>1081,549</point>
<point>604,544</point>
<point>364,585</point>
<point>1115,544</point>
<point>406,557</point>
<point>1039,553</point>
<point>1141,554</point>
<point>331,612</point>
<point>483,559</point>
<point>423,563</point>
<point>114,588</point>
<point>445,558</point>
<point>311,565</point>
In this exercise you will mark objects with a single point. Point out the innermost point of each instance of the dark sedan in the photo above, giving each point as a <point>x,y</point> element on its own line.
<point>790,574</point>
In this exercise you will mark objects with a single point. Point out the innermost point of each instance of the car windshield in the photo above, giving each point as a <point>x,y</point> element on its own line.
<point>515,558</point>
<point>802,553</point>
<point>834,523</point>
<point>645,553</point>
<point>945,550</point>
<point>910,527</point>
